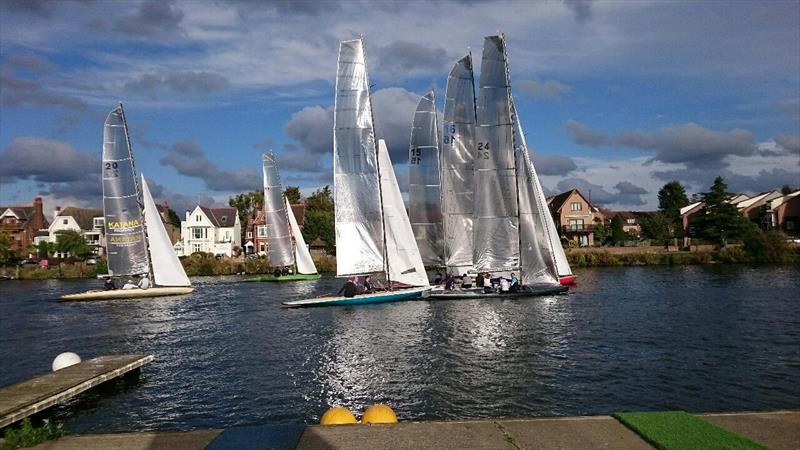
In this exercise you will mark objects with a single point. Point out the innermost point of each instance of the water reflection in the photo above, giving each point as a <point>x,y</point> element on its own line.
<point>696,338</point>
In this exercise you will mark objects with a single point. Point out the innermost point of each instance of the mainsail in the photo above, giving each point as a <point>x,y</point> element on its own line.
<point>167,268</point>
<point>279,236</point>
<point>359,222</point>
<point>302,256</point>
<point>403,257</point>
<point>424,189</point>
<point>457,162</point>
<point>496,228</point>
<point>124,227</point>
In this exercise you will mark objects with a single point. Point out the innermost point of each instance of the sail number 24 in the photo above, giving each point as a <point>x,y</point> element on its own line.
<point>483,150</point>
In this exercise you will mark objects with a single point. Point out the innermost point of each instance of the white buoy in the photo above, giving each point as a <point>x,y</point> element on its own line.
<point>65,360</point>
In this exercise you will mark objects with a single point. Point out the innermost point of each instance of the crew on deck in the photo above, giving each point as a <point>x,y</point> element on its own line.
<point>349,288</point>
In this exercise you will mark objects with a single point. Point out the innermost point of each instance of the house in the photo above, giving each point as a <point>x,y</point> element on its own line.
<point>631,220</point>
<point>255,239</point>
<point>22,223</point>
<point>210,230</point>
<point>575,217</point>
<point>783,213</point>
<point>87,221</point>
<point>754,208</point>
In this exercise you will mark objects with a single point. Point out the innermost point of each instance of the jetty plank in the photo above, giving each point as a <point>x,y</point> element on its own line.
<point>29,397</point>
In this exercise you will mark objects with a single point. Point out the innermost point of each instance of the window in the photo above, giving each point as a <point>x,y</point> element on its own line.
<point>224,218</point>
<point>262,231</point>
<point>99,222</point>
<point>66,221</point>
<point>197,218</point>
<point>790,225</point>
<point>197,233</point>
<point>197,248</point>
<point>249,235</point>
<point>631,221</point>
<point>575,224</point>
<point>576,206</point>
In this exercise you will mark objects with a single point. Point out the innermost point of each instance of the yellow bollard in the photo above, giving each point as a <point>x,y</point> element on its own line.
<point>378,413</point>
<point>337,416</point>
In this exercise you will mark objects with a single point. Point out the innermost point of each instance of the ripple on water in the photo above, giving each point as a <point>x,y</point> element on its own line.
<point>696,338</point>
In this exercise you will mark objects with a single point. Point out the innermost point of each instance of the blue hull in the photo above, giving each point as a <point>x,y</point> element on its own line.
<point>363,299</point>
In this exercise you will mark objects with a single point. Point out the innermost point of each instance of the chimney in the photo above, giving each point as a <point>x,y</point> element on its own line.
<point>37,206</point>
<point>56,212</point>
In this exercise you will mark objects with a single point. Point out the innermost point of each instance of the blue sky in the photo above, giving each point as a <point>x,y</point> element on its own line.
<point>615,97</point>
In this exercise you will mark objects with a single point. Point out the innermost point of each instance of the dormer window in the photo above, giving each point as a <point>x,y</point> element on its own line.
<point>197,218</point>
<point>66,222</point>
<point>224,218</point>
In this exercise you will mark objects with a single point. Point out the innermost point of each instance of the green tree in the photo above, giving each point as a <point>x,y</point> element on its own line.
<point>671,198</point>
<point>319,224</point>
<point>786,189</point>
<point>657,227</point>
<point>43,249</point>
<point>618,234</point>
<point>173,218</point>
<point>72,242</point>
<point>719,220</point>
<point>247,203</point>
<point>292,193</point>
<point>601,234</point>
<point>5,247</point>
<point>321,199</point>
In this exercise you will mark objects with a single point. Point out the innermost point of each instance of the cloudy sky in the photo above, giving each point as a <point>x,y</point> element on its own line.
<point>616,98</point>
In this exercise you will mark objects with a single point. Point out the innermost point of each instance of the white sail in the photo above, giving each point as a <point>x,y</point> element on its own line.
<point>403,258</point>
<point>359,222</point>
<point>496,215</point>
<point>424,185</point>
<point>457,165</point>
<point>167,268</point>
<point>279,236</point>
<point>536,259</point>
<point>553,241</point>
<point>305,264</point>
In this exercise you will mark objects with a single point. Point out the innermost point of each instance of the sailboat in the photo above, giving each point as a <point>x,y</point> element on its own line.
<point>286,244</point>
<point>509,221</point>
<point>373,231</point>
<point>136,240</point>
<point>424,186</point>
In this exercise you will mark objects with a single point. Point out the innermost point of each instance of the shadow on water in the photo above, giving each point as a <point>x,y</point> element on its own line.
<point>699,338</point>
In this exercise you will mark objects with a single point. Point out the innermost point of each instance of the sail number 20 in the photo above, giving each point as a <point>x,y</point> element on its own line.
<point>483,150</point>
<point>111,170</point>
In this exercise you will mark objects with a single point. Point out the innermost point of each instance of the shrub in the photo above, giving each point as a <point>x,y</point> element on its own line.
<point>28,435</point>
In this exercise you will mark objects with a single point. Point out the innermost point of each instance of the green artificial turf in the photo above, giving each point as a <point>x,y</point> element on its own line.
<point>678,430</point>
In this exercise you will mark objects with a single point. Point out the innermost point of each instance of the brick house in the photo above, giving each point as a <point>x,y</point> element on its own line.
<point>575,217</point>
<point>631,220</point>
<point>255,235</point>
<point>22,223</point>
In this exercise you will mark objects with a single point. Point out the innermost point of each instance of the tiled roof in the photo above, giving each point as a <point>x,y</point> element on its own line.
<point>220,217</point>
<point>23,213</point>
<point>83,216</point>
<point>557,201</point>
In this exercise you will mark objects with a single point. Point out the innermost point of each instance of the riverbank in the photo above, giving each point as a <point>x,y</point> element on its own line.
<point>775,429</point>
<point>650,256</point>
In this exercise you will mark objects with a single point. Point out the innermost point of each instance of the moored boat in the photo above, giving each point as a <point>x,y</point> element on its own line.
<point>128,293</point>
<point>361,299</point>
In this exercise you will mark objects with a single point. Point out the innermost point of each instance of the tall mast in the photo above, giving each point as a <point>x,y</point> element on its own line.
<point>378,165</point>
<point>138,190</point>
<point>513,113</point>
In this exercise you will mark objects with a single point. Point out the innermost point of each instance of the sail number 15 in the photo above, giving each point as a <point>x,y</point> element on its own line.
<point>416,156</point>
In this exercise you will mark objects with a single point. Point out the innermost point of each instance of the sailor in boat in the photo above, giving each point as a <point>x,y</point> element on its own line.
<point>448,285</point>
<point>367,285</point>
<point>130,285</point>
<point>466,281</point>
<point>514,283</point>
<point>479,280</point>
<point>348,289</point>
<point>438,279</point>
<point>144,283</point>
<point>285,270</point>
<point>109,284</point>
<point>277,272</point>
<point>504,285</point>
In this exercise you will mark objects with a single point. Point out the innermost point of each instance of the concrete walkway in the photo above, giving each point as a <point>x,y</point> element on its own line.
<point>779,430</point>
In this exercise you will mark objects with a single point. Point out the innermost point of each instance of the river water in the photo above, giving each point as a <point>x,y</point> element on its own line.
<point>698,338</point>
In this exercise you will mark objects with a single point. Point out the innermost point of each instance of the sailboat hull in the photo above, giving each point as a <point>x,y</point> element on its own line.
<point>377,297</point>
<point>567,280</point>
<point>477,293</point>
<point>127,293</point>
<point>283,278</point>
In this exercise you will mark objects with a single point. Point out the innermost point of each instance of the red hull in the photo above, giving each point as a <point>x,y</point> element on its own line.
<point>567,280</point>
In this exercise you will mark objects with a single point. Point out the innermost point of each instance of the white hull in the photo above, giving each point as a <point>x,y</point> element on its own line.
<point>128,293</point>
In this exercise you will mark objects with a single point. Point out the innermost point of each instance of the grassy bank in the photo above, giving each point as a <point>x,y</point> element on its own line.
<point>729,255</point>
<point>195,265</point>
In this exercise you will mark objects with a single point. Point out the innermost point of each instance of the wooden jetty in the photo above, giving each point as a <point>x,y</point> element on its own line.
<point>29,397</point>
